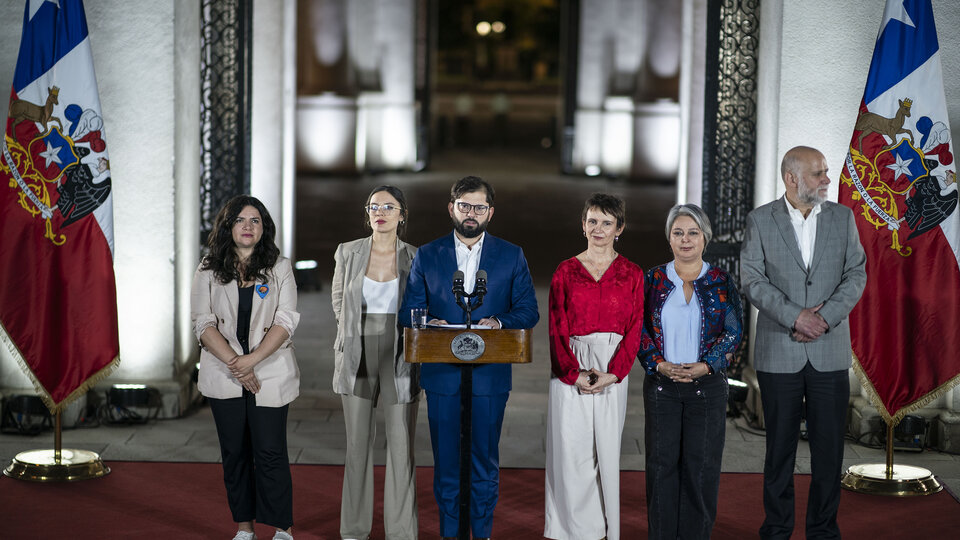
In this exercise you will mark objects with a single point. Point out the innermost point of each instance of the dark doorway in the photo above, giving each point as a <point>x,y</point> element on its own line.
<point>497,75</point>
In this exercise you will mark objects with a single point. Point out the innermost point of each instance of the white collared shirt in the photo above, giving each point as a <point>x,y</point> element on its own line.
<point>468,260</point>
<point>805,229</point>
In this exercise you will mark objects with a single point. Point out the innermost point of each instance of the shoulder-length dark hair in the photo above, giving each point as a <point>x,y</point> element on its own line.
<point>221,254</point>
<point>396,194</point>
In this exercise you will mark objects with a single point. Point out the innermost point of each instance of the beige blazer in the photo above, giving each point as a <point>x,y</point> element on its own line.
<point>214,304</point>
<point>347,295</point>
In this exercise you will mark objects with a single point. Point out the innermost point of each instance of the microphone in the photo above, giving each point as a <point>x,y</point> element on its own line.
<point>458,290</point>
<point>480,288</point>
<point>459,294</point>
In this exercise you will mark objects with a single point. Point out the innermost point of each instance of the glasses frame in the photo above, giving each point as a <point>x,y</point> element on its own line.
<point>387,209</point>
<point>478,209</point>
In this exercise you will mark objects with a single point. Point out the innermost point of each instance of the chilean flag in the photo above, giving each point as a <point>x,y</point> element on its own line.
<point>58,302</point>
<point>900,180</point>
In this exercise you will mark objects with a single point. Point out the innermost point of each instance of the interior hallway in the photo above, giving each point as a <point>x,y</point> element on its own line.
<point>537,208</point>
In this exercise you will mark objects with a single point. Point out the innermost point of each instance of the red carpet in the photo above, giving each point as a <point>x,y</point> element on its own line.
<point>187,500</point>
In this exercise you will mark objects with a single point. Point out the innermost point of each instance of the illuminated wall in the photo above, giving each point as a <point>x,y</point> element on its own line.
<point>355,105</point>
<point>628,115</point>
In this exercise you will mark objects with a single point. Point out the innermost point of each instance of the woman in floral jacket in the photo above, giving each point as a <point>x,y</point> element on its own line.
<point>692,326</point>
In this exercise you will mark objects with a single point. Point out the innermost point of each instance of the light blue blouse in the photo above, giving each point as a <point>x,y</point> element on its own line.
<point>681,321</point>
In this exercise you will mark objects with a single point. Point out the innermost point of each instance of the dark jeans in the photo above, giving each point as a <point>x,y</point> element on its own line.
<point>256,468</point>
<point>827,395</point>
<point>684,432</point>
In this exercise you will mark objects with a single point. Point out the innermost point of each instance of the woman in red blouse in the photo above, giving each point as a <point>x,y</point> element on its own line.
<point>596,317</point>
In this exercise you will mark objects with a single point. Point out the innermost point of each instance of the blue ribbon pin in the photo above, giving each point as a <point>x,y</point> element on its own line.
<point>262,290</point>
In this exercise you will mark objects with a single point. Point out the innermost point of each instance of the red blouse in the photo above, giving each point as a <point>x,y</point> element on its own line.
<point>579,306</point>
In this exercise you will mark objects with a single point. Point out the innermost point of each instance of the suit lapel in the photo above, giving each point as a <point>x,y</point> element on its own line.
<point>489,253</point>
<point>824,225</point>
<point>256,305</point>
<point>447,264</point>
<point>782,219</point>
<point>361,258</point>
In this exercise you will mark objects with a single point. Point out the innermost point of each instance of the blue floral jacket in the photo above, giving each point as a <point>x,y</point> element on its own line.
<point>721,327</point>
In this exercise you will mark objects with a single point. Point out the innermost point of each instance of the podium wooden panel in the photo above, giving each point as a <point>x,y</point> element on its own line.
<point>432,346</point>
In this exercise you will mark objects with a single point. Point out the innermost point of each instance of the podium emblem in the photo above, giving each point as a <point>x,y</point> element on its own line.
<point>467,346</point>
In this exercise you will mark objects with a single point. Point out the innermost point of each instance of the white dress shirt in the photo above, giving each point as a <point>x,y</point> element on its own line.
<point>805,229</point>
<point>468,261</point>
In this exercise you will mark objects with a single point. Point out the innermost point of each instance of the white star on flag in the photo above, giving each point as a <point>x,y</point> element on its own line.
<point>895,13</point>
<point>901,167</point>
<point>52,155</point>
<point>35,5</point>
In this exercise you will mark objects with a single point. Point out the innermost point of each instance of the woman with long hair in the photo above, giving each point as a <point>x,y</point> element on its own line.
<point>368,285</point>
<point>244,312</point>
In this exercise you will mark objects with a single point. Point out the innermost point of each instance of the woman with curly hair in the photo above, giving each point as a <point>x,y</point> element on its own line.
<point>244,312</point>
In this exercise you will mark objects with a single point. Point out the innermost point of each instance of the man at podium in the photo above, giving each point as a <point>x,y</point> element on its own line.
<point>510,302</point>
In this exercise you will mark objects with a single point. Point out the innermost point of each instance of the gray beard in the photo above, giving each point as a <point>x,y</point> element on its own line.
<point>808,197</point>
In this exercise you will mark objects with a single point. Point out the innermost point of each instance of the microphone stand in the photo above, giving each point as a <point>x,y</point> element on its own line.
<point>465,301</point>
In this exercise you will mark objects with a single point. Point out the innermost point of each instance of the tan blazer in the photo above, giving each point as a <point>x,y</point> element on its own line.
<point>214,304</point>
<point>347,294</point>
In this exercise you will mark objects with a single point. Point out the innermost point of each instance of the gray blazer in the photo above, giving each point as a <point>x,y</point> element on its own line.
<point>347,295</point>
<point>776,281</point>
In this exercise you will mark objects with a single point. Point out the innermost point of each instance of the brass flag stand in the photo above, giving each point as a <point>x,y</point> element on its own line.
<point>57,465</point>
<point>887,479</point>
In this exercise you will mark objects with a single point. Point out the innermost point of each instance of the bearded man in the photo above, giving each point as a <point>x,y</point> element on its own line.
<point>510,302</point>
<point>803,268</point>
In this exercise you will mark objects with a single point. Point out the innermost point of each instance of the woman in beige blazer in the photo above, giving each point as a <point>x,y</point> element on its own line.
<point>244,312</point>
<point>368,285</point>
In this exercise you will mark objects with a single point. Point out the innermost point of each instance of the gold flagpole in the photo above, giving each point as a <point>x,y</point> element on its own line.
<point>57,465</point>
<point>887,479</point>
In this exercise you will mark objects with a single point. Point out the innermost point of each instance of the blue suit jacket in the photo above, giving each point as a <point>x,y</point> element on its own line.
<point>510,298</point>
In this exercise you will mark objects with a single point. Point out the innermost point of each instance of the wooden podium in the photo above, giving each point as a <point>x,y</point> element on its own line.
<point>466,347</point>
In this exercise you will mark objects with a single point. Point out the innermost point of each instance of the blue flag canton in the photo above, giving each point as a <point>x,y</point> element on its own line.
<point>902,48</point>
<point>52,32</point>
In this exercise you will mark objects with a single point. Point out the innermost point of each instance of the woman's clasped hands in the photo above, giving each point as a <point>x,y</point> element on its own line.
<point>683,372</point>
<point>594,381</point>
<point>241,367</point>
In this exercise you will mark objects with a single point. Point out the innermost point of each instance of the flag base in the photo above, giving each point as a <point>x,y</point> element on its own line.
<point>904,480</point>
<point>44,466</point>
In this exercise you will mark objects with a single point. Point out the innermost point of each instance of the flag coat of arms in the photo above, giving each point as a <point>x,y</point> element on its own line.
<point>899,178</point>
<point>58,306</point>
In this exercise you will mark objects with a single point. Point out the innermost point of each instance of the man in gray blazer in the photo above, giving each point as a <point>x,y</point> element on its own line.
<point>802,266</point>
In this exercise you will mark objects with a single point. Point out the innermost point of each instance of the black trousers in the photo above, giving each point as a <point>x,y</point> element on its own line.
<point>256,468</point>
<point>684,435</point>
<point>827,395</point>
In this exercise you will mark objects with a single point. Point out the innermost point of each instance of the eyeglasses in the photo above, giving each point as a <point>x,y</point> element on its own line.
<point>385,208</point>
<point>478,209</point>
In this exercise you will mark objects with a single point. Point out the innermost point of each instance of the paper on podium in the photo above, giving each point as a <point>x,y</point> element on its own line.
<point>461,326</point>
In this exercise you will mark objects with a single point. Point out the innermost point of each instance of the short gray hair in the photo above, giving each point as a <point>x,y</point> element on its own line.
<point>695,213</point>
